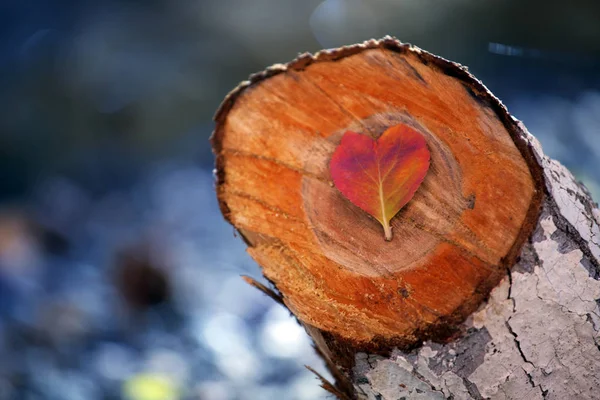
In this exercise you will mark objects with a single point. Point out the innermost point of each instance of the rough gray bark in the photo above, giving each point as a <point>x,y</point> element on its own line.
<point>538,335</point>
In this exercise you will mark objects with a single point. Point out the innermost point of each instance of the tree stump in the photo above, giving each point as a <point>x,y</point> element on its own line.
<point>489,287</point>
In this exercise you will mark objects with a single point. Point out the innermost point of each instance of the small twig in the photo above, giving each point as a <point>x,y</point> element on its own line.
<point>328,386</point>
<point>269,292</point>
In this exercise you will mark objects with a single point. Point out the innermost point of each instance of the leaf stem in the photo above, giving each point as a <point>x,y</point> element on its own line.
<point>387,229</point>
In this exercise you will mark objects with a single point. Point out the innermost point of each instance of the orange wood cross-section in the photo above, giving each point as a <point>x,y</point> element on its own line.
<point>452,242</point>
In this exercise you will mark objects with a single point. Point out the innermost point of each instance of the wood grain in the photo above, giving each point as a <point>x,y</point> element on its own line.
<point>452,242</point>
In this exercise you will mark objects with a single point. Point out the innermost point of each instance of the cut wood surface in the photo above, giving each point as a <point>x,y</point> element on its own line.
<point>468,224</point>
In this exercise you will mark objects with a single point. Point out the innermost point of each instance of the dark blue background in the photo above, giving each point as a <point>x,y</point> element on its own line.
<point>105,114</point>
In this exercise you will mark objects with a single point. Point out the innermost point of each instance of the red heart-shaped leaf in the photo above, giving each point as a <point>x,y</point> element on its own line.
<point>380,176</point>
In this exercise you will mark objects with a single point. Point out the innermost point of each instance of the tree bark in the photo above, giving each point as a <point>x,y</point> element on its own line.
<point>490,286</point>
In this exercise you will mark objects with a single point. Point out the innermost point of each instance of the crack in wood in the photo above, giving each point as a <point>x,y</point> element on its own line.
<point>237,152</point>
<point>345,111</point>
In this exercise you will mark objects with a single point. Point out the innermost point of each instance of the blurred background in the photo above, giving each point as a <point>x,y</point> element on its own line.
<point>119,278</point>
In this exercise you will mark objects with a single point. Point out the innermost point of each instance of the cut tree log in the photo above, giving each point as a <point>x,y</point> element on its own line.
<point>489,288</point>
